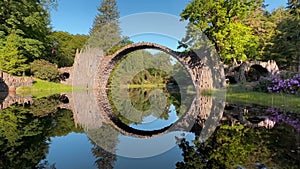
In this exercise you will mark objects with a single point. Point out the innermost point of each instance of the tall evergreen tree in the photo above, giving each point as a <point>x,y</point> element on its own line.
<point>294,6</point>
<point>105,32</point>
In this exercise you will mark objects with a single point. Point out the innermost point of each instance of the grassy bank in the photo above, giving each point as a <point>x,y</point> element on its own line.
<point>132,86</point>
<point>41,88</point>
<point>234,94</point>
<point>237,94</point>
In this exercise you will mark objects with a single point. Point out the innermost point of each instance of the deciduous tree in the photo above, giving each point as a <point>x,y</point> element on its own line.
<point>11,59</point>
<point>28,20</point>
<point>221,22</point>
<point>65,46</point>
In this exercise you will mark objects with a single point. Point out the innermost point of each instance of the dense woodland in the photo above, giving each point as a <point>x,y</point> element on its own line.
<point>239,30</point>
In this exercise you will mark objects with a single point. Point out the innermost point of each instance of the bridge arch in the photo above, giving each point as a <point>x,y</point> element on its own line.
<point>203,68</point>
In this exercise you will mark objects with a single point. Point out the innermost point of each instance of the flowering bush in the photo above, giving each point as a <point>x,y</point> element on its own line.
<point>283,83</point>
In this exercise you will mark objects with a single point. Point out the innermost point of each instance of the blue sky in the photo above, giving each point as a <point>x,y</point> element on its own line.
<point>76,16</point>
<point>142,20</point>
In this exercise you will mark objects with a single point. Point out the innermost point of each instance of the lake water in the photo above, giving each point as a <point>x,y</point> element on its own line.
<point>81,130</point>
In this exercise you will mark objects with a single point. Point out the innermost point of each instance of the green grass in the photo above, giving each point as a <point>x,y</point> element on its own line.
<point>146,85</point>
<point>234,94</point>
<point>41,88</point>
<point>238,94</point>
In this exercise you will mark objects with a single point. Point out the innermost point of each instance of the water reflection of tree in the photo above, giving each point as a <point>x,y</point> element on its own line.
<point>153,70</point>
<point>25,131</point>
<point>232,146</point>
<point>107,138</point>
<point>104,159</point>
<point>23,137</point>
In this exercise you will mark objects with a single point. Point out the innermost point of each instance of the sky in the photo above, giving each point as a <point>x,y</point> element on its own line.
<point>141,20</point>
<point>76,16</point>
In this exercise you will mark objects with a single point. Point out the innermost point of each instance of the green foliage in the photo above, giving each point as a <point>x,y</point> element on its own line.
<point>44,106</point>
<point>105,33</point>
<point>65,46</point>
<point>285,41</point>
<point>228,147</point>
<point>64,121</point>
<point>119,45</point>
<point>294,6</point>
<point>23,137</point>
<point>11,59</point>
<point>44,70</point>
<point>263,28</point>
<point>237,42</point>
<point>30,21</point>
<point>25,132</point>
<point>221,22</point>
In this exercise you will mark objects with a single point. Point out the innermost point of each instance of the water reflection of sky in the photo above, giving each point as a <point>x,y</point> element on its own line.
<point>145,148</point>
<point>74,151</point>
<point>153,123</point>
<point>68,152</point>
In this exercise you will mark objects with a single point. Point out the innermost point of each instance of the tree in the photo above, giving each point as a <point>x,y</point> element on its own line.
<point>11,60</point>
<point>29,21</point>
<point>105,32</point>
<point>65,46</point>
<point>294,6</point>
<point>228,147</point>
<point>221,22</point>
<point>104,140</point>
<point>23,137</point>
<point>44,70</point>
<point>263,28</point>
<point>26,130</point>
<point>285,39</point>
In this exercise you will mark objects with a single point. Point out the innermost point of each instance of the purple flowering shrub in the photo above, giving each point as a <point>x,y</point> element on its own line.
<point>283,83</point>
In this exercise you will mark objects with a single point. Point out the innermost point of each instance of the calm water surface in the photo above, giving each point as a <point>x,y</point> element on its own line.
<point>58,132</point>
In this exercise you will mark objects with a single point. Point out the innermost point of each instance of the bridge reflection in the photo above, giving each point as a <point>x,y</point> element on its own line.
<point>94,112</point>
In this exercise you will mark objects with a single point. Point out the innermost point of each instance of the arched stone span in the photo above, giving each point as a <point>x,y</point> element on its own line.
<point>239,72</point>
<point>270,66</point>
<point>202,70</point>
<point>92,70</point>
<point>201,110</point>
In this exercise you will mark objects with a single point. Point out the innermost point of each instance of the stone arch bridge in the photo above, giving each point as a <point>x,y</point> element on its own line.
<point>242,72</point>
<point>92,70</point>
<point>205,72</point>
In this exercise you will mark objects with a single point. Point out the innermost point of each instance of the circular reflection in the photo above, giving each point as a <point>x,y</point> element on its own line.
<point>118,109</point>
